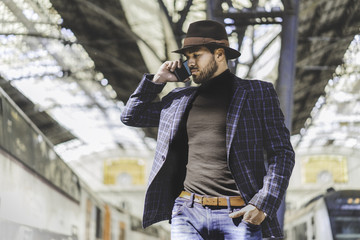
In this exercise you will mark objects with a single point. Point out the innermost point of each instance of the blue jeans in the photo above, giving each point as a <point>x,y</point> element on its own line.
<point>192,221</point>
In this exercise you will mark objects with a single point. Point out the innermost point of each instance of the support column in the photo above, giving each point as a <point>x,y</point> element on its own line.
<point>287,68</point>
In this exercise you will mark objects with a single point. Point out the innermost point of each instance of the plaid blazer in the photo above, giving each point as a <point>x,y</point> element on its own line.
<point>255,136</point>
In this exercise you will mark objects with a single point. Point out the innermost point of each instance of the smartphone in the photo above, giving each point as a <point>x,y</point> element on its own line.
<point>183,72</point>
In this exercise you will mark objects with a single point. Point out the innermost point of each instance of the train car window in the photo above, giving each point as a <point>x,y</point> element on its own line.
<point>1,123</point>
<point>40,152</point>
<point>344,213</point>
<point>88,218</point>
<point>98,229</point>
<point>1,107</point>
<point>6,139</point>
<point>300,232</point>
<point>21,144</point>
<point>58,173</point>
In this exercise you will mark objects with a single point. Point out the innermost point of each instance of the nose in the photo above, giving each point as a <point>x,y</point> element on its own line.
<point>191,62</point>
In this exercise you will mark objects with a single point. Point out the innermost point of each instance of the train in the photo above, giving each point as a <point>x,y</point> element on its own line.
<point>42,198</point>
<point>334,215</point>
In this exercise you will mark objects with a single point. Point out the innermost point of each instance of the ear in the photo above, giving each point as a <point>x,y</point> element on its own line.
<point>219,54</point>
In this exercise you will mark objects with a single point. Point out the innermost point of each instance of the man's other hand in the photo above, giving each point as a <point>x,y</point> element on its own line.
<point>250,214</point>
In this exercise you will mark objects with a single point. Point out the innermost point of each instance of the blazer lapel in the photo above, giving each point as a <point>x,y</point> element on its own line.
<point>233,114</point>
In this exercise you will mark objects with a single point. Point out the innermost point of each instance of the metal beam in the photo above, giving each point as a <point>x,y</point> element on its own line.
<point>118,23</point>
<point>256,16</point>
<point>285,82</point>
<point>177,26</point>
<point>212,10</point>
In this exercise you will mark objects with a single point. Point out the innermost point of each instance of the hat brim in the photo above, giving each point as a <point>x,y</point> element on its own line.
<point>229,52</point>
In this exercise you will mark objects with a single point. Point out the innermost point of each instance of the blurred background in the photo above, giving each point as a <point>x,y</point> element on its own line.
<point>69,169</point>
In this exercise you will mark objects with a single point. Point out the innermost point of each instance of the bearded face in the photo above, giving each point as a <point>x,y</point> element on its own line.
<point>205,73</point>
<point>202,64</point>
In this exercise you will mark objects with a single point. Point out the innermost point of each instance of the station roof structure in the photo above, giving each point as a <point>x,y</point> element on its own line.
<point>326,29</point>
<point>66,61</point>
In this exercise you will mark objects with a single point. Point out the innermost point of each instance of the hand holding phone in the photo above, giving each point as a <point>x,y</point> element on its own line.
<point>183,72</point>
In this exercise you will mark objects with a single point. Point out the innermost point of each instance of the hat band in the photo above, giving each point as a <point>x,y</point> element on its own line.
<point>200,41</point>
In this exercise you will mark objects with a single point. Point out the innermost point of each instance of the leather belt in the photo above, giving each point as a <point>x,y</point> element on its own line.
<point>235,201</point>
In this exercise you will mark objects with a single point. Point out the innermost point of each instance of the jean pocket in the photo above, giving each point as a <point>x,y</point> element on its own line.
<point>177,209</point>
<point>251,226</point>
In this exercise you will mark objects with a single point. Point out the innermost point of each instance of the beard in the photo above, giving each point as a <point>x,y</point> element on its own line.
<point>207,72</point>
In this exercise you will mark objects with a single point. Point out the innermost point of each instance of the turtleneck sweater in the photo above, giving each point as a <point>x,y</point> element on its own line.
<point>207,171</point>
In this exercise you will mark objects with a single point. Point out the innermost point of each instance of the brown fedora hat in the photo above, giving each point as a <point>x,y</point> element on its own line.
<point>208,33</point>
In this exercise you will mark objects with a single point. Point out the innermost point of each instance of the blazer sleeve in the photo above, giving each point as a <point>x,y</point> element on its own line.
<point>280,155</point>
<point>141,110</point>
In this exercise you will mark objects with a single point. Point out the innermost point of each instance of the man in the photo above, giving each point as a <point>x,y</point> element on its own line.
<point>209,176</point>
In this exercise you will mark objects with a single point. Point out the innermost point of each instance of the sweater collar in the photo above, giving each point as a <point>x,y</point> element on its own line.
<point>223,79</point>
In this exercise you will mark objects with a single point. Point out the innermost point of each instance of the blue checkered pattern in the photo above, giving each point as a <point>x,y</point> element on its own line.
<point>255,129</point>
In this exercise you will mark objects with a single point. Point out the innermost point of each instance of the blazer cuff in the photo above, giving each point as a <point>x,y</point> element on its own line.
<point>268,206</point>
<point>147,84</point>
<point>149,77</point>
